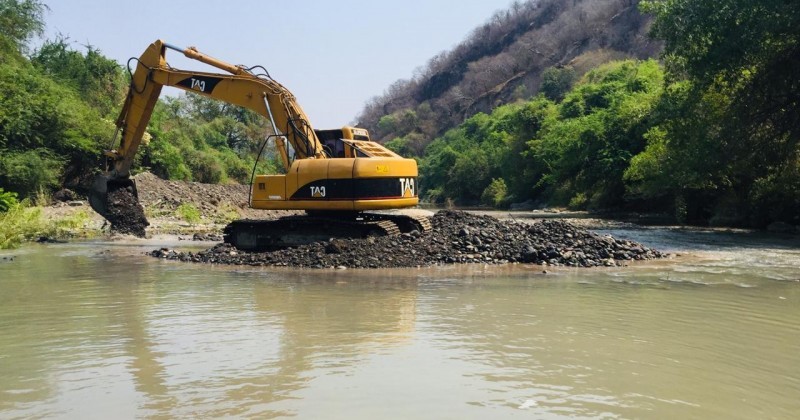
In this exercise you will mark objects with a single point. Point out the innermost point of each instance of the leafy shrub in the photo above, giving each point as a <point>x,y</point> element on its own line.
<point>235,168</point>
<point>8,199</point>
<point>434,195</point>
<point>23,222</point>
<point>495,194</point>
<point>205,168</point>
<point>188,212</point>
<point>556,82</point>
<point>20,223</point>
<point>29,172</point>
<point>166,160</point>
<point>578,202</point>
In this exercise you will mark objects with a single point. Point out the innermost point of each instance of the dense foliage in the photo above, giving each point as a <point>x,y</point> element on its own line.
<point>58,104</point>
<point>8,199</point>
<point>194,138</point>
<point>48,133</point>
<point>728,144</point>
<point>572,152</point>
<point>712,136</point>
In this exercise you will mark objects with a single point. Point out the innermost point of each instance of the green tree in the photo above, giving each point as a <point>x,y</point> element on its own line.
<point>98,79</point>
<point>556,82</point>
<point>21,20</point>
<point>586,153</point>
<point>48,126</point>
<point>735,124</point>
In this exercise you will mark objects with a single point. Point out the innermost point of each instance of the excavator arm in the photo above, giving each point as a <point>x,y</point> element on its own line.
<point>241,87</point>
<point>334,174</point>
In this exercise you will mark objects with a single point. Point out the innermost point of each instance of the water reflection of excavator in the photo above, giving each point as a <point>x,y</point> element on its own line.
<point>334,175</point>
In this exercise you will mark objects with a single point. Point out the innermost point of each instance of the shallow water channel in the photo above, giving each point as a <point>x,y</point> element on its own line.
<point>98,330</point>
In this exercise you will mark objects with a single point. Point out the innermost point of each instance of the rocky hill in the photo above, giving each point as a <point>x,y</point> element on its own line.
<point>507,59</point>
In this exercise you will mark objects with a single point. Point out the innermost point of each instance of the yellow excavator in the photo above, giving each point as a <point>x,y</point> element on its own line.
<point>336,176</point>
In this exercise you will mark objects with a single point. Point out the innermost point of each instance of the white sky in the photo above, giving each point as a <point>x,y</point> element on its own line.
<point>333,55</point>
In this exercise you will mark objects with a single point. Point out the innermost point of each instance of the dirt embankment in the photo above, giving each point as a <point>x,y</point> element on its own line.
<point>216,205</point>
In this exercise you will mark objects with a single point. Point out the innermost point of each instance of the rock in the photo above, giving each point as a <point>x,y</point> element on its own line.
<point>334,247</point>
<point>65,195</point>
<point>50,240</point>
<point>455,237</point>
<point>206,237</point>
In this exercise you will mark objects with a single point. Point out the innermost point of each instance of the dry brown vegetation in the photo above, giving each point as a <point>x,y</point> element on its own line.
<point>503,60</point>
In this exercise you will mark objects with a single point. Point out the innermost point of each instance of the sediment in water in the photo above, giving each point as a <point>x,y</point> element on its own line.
<point>456,237</point>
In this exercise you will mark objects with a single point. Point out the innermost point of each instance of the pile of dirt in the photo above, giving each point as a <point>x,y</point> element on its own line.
<point>125,213</point>
<point>456,237</point>
<point>160,193</point>
<point>164,197</point>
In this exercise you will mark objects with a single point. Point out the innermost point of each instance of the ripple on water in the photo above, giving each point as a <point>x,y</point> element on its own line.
<point>712,334</point>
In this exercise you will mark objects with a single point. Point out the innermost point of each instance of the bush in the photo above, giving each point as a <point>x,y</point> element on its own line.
<point>166,160</point>
<point>188,213</point>
<point>8,199</point>
<point>236,169</point>
<point>495,194</point>
<point>205,167</point>
<point>556,82</point>
<point>578,202</point>
<point>29,172</point>
<point>434,195</point>
<point>20,223</point>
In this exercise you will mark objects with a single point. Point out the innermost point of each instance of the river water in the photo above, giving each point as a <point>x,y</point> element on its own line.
<point>98,330</point>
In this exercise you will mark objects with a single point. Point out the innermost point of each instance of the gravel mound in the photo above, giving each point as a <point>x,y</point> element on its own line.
<point>456,237</point>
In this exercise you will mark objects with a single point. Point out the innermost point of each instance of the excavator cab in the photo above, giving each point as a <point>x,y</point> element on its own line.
<point>332,142</point>
<point>336,145</point>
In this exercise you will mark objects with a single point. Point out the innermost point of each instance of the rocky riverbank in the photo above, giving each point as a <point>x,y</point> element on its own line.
<point>456,237</point>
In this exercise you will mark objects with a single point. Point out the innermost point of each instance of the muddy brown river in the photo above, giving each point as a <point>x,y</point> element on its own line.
<point>99,330</point>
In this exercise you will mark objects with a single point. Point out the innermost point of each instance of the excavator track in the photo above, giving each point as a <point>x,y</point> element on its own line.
<point>290,231</point>
<point>409,223</point>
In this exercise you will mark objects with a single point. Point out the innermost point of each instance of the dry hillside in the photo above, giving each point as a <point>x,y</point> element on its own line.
<point>503,61</point>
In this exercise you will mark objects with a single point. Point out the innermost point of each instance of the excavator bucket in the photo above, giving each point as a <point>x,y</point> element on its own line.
<point>102,185</point>
<point>98,195</point>
<point>117,200</point>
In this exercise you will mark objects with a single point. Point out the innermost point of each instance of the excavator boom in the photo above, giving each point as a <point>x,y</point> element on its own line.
<point>341,174</point>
